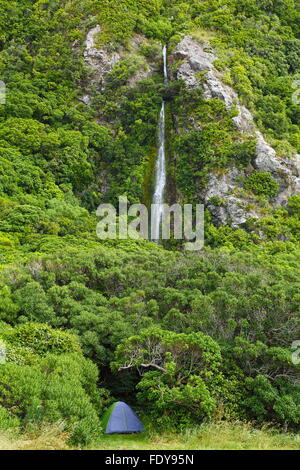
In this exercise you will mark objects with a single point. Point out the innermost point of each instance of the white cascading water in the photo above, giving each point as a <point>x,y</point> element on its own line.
<point>165,64</point>
<point>160,175</point>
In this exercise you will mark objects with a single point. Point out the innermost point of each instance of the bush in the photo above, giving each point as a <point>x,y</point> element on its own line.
<point>42,339</point>
<point>53,390</point>
<point>262,183</point>
<point>293,205</point>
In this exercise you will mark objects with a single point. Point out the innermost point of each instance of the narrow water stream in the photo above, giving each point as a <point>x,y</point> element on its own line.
<point>160,169</point>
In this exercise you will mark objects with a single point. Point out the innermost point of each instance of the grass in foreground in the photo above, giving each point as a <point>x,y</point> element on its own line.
<point>223,436</point>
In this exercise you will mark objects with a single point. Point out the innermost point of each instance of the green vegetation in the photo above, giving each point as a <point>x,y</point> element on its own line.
<point>46,379</point>
<point>220,436</point>
<point>260,47</point>
<point>216,147</point>
<point>262,184</point>
<point>223,322</point>
<point>196,338</point>
<point>58,155</point>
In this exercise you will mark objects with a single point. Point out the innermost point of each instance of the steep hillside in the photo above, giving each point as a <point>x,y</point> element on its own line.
<point>84,93</point>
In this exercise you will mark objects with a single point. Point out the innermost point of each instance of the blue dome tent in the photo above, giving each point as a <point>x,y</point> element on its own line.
<point>121,419</point>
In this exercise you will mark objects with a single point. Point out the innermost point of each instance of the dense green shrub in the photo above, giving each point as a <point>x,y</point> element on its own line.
<point>271,403</point>
<point>7,421</point>
<point>42,339</point>
<point>186,371</point>
<point>242,304</point>
<point>46,379</point>
<point>124,69</point>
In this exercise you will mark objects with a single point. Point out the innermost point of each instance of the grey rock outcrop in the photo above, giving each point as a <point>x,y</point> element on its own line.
<point>194,58</point>
<point>232,208</point>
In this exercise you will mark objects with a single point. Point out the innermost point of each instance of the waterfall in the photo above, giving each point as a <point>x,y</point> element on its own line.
<point>165,64</point>
<point>160,173</point>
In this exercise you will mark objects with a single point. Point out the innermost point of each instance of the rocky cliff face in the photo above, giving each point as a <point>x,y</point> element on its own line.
<point>194,58</point>
<point>100,61</point>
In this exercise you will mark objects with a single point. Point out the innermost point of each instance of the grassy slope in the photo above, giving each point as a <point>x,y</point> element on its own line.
<point>223,436</point>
